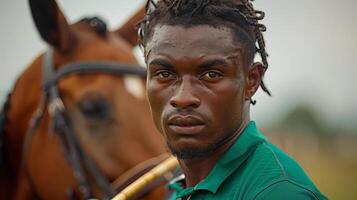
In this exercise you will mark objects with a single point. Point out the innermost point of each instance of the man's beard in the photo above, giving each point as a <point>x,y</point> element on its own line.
<point>192,153</point>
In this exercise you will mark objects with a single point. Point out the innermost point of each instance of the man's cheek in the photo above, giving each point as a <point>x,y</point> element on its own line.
<point>159,111</point>
<point>156,116</point>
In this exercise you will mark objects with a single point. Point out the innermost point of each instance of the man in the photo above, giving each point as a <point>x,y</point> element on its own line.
<point>200,84</point>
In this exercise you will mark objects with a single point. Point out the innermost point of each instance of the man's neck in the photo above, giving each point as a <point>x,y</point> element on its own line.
<point>197,169</point>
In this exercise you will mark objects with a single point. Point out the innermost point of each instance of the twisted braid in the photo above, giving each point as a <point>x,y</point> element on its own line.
<point>241,13</point>
<point>253,18</point>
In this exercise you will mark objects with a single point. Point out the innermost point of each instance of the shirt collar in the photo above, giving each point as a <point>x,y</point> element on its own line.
<point>230,161</point>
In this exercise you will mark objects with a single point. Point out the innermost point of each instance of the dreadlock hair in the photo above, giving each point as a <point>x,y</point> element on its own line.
<point>239,15</point>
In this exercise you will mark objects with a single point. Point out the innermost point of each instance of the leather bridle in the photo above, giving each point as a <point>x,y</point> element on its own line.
<point>78,159</point>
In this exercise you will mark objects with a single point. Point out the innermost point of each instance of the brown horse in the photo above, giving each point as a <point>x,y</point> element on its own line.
<point>108,123</point>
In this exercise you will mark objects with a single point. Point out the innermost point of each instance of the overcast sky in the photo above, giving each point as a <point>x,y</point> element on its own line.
<point>312,47</point>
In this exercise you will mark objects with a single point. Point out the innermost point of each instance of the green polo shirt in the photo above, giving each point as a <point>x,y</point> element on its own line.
<point>252,168</point>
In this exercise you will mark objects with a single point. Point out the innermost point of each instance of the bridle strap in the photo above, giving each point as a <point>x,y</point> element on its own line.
<point>112,68</point>
<point>60,125</point>
<point>79,158</point>
<point>75,155</point>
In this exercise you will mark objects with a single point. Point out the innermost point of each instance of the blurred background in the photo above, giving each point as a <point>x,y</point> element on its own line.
<point>312,46</point>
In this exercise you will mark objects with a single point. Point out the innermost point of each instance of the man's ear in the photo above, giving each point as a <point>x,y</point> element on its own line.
<point>51,24</point>
<point>254,77</point>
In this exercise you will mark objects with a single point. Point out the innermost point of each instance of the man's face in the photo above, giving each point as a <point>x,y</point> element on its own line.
<point>196,87</point>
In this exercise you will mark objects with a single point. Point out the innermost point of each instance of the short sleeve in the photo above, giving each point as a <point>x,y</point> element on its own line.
<point>286,190</point>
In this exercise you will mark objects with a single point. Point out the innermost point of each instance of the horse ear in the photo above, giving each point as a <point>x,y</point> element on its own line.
<point>129,31</point>
<point>52,24</point>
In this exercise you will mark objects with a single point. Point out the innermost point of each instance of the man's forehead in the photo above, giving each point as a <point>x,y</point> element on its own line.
<point>195,39</point>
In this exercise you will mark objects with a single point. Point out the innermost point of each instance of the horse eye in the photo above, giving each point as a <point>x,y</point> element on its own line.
<point>95,108</point>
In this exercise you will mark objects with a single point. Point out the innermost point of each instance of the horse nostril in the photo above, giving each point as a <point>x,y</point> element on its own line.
<point>95,108</point>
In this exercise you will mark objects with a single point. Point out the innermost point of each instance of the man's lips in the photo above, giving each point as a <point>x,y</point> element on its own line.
<point>186,124</point>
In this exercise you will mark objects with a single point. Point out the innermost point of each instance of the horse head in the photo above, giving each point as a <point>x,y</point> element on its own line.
<point>107,115</point>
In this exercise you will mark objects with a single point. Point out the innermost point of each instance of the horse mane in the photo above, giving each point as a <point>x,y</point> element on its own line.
<point>3,119</point>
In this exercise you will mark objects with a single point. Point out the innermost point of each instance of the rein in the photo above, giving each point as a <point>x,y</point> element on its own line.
<point>62,126</point>
<point>3,120</point>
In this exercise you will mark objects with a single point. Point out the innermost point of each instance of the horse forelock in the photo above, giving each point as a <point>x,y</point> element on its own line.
<point>97,24</point>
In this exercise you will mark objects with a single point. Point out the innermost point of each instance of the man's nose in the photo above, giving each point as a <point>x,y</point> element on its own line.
<point>184,96</point>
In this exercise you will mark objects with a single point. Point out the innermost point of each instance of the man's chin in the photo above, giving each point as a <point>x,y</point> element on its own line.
<point>191,153</point>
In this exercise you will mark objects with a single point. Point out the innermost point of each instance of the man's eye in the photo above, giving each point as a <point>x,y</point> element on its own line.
<point>164,75</point>
<point>211,75</point>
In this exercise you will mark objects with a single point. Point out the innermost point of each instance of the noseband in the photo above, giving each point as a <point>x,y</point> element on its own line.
<point>62,126</point>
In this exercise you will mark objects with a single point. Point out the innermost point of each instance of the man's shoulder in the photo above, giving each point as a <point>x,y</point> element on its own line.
<point>271,162</point>
<point>287,189</point>
<point>270,169</point>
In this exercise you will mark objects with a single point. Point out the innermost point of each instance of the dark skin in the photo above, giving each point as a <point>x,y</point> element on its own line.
<point>199,89</point>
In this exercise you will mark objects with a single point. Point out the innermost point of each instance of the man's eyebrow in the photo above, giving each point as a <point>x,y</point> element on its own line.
<point>213,62</point>
<point>161,62</point>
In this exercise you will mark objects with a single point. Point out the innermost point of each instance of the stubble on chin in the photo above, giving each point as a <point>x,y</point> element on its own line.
<point>193,153</point>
